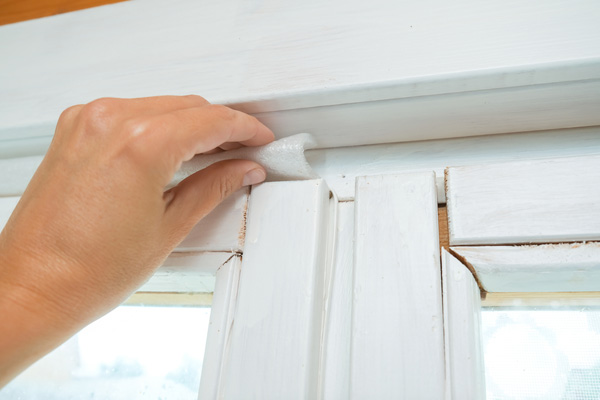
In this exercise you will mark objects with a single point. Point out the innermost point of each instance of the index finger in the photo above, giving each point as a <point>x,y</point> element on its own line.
<point>201,129</point>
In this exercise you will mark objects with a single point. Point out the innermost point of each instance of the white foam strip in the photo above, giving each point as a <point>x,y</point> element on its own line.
<point>283,159</point>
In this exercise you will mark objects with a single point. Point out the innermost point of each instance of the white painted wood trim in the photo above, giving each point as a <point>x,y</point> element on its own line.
<point>340,166</point>
<point>15,174</point>
<point>222,230</point>
<point>274,346</point>
<point>221,320</point>
<point>545,268</point>
<point>7,206</point>
<point>533,108</point>
<point>187,273</point>
<point>569,105</point>
<point>397,323</point>
<point>537,201</point>
<point>335,365</point>
<point>465,374</point>
<point>470,68</point>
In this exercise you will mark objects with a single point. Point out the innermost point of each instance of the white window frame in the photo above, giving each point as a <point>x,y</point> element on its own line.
<point>551,85</point>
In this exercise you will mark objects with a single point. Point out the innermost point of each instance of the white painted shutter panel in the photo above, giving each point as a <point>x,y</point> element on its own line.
<point>397,327</point>
<point>465,376</point>
<point>274,344</point>
<point>539,201</point>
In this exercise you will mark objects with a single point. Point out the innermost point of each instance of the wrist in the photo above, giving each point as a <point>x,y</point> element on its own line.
<point>31,325</point>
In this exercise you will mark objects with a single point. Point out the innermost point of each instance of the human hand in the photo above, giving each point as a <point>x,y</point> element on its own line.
<point>95,221</point>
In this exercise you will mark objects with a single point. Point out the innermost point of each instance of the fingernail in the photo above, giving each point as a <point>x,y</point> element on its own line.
<point>253,177</point>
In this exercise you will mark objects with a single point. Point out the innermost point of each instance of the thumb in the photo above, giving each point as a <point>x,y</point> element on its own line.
<point>197,195</point>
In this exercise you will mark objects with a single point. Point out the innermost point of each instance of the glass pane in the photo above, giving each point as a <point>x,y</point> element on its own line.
<point>134,352</point>
<point>542,353</point>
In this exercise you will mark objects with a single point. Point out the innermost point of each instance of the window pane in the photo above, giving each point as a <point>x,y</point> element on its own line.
<point>134,352</point>
<point>542,352</point>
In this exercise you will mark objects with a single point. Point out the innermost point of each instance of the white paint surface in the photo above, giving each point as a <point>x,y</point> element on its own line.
<point>379,72</point>
<point>397,324</point>
<point>538,201</point>
<point>221,321</point>
<point>187,273</point>
<point>335,367</point>
<point>561,267</point>
<point>222,229</point>
<point>340,166</point>
<point>465,375</point>
<point>7,206</point>
<point>274,346</point>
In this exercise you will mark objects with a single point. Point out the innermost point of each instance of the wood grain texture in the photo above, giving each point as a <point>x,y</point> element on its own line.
<point>561,267</point>
<point>469,68</point>
<point>443,227</point>
<point>274,347</point>
<point>397,325</point>
<point>465,376</point>
<point>539,201</point>
<point>335,366</point>
<point>12,11</point>
<point>219,329</point>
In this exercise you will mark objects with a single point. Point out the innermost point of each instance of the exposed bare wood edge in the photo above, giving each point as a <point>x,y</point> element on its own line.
<point>169,299</point>
<point>531,244</point>
<point>447,204</point>
<point>556,299</point>
<point>470,267</point>
<point>242,234</point>
<point>443,227</point>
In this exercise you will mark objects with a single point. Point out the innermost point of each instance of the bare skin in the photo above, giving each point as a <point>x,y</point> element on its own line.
<point>95,221</point>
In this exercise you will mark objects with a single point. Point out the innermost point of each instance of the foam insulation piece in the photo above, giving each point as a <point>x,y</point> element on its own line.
<point>283,159</point>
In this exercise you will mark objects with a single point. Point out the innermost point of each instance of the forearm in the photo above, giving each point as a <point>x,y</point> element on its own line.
<point>31,325</point>
<point>44,300</point>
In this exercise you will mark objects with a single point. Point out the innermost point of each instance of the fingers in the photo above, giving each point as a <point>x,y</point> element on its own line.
<point>162,104</point>
<point>201,129</point>
<point>157,105</point>
<point>200,193</point>
<point>162,132</point>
